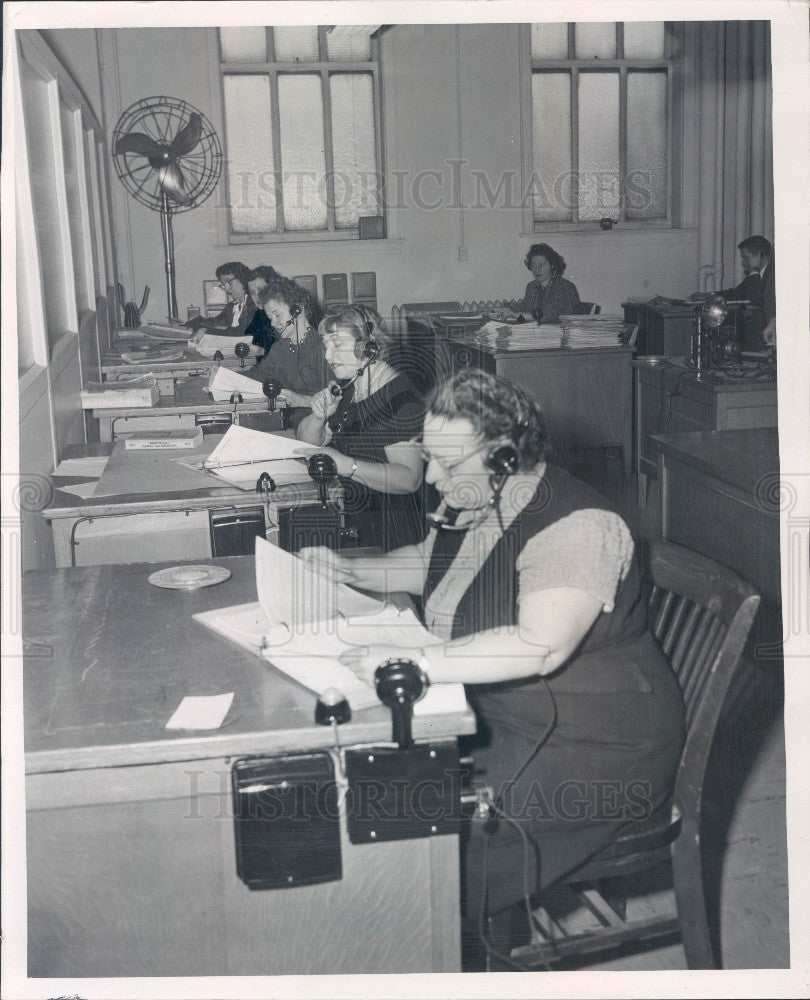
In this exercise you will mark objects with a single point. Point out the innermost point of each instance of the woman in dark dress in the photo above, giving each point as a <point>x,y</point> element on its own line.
<point>549,295</point>
<point>369,430</point>
<point>532,588</point>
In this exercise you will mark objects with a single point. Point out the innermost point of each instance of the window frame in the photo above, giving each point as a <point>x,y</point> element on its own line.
<point>576,66</point>
<point>323,67</point>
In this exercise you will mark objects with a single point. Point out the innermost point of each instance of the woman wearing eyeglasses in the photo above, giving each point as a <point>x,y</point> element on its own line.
<point>366,420</point>
<point>239,310</point>
<point>530,586</point>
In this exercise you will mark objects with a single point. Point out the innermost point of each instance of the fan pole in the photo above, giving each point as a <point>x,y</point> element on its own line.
<point>168,252</point>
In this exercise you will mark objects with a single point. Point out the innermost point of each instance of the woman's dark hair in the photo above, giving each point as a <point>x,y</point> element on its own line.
<point>364,324</point>
<point>544,250</point>
<point>497,410</point>
<point>757,244</point>
<point>287,291</point>
<point>237,269</point>
<point>265,272</point>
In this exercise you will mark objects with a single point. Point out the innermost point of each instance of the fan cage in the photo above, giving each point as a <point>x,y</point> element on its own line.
<point>161,118</point>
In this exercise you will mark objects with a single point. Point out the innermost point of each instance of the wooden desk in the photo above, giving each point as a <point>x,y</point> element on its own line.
<point>181,410</point>
<point>162,512</point>
<point>167,373</point>
<point>664,328</point>
<point>671,398</point>
<point>719,497</point>
<point>130,836</point>
<point>585,393</point>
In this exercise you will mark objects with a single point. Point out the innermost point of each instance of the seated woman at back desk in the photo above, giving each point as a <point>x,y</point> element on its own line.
<point>296,358</point>
<point>260,329</point>
<point>368,429</point>
<point>549,295</point>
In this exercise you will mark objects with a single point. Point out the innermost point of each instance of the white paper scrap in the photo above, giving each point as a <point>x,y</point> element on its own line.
<point>201,712</point>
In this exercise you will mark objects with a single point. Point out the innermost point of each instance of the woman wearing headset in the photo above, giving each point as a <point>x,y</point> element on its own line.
<point>296,358</point>
<point>368,419</point>
<point>530,582</point>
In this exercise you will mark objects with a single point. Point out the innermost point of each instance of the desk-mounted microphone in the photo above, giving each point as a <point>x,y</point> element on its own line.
<point>322,470</point>
<point>271,387</point>
<point>241,351</point>
<point>400,683</point>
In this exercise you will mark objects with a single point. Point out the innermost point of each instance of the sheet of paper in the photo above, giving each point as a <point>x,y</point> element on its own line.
<point>225,381</point>
<point>209,343</point>
<point>282,470</point>
<point>83,490</point>
<point>201,712</point>
<point>243,445</point>
<point>91,466</point>
<point>292,593</point>
<point>311,659</point>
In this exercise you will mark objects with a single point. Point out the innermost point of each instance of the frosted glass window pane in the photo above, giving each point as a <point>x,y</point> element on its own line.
<point>243,44</point>
<point>595,41</point>
<point>644,40</point>
<point>549,41</point>
<point>249,151</point>
<point>551,145</point>
<point>349,42</point>
<point>353,147</point>
<point>37,109</point>
<point>598,145</point>
<point>303,160</point>
<point>646,145</point>
<point>76,222</point>
<point>296,44</point>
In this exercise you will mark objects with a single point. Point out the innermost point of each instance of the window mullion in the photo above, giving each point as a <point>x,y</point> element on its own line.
<point>575,144</point>
<point>278,172</point>
<point>328,151</point>
<point>622,143</point>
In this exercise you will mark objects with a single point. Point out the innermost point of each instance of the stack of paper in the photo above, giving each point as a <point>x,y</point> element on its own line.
<point>225,381</point>
<point>208,344</point>
<point>157,331</point>
<point>304,620</point>
<point>130,392</point>
<point>148,357</point>
<point>592,331</point>
<point>519,336</point>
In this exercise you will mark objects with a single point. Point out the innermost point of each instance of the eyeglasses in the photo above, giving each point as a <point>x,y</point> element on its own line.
<point>446,468</point>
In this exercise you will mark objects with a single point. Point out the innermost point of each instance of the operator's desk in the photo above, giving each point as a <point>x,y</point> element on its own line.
<point>178,411</point>
<point>585,394</point>
<point>167,373</point>
<point>130,834</point>
<point>672,398</point>
<point>160,511</point>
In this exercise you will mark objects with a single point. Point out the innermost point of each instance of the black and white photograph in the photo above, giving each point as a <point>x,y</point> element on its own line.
<point>406,499</point>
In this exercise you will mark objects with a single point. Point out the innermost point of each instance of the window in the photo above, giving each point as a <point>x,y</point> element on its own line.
<point>601,98</point>
<point>302,131</point>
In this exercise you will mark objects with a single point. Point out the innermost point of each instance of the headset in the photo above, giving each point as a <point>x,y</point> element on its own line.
<point>370,353</point>
<point>502,461</point>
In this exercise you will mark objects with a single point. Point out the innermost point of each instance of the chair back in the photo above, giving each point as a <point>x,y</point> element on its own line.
<point>701,614</point>
<point>587,309</point>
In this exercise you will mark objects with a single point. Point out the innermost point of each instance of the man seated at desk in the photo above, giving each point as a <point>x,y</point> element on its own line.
<point>758,288</point>
<point>238,313</point>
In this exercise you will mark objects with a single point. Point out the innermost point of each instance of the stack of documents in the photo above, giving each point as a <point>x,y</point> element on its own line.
<point>225,381</point>
<point>130,392</point>
<point>592,331</point>
<point>148,357</point>
<point>209,343</point>
<point>304,620</point>
<point>156,331</point>
<point>495,336</point>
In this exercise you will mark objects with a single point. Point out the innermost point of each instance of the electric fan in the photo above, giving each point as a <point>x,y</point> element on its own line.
<point>168,156</point>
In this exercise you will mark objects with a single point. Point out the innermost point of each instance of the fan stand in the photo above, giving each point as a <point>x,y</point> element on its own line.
<point>168,252</point>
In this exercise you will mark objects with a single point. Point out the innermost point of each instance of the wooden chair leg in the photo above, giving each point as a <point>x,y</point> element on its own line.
<point>687,868</point>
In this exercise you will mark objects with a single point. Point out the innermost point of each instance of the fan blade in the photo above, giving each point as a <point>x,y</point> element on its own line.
<point>187,137</point>
<point>143,145</point>
<point>171,181</point>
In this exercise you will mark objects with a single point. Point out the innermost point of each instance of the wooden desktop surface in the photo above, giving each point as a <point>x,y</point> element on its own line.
<point>123,655</point>
<point>190,396</point>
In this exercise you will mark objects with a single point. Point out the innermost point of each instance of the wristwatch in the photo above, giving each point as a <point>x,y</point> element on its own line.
<point>354,469</point>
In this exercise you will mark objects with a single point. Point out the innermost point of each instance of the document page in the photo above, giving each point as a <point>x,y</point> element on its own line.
<point>245,446</point>
<point>225,381</point>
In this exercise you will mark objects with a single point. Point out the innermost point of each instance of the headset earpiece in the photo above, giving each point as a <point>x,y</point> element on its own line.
<point>295,310</point>
<point>371,350</point>
<point>502,459</point>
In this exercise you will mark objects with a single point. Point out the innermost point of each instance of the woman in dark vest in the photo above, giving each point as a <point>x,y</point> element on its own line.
<point>532,587</point>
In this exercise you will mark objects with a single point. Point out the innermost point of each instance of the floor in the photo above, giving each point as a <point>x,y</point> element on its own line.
<point>745,832</point>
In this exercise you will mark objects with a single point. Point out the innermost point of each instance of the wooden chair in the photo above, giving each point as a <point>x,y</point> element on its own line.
<point>587,309</point>
<point>701,614</point>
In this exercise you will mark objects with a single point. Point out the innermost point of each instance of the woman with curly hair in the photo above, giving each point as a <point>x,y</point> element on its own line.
<point>368,427</point>
<point>530,584</point>
<point>549,295</point>
<point>296,359</point>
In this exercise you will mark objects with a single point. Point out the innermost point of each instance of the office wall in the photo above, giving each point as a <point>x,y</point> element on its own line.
<point>449,94</point>
<point>77,52</point>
